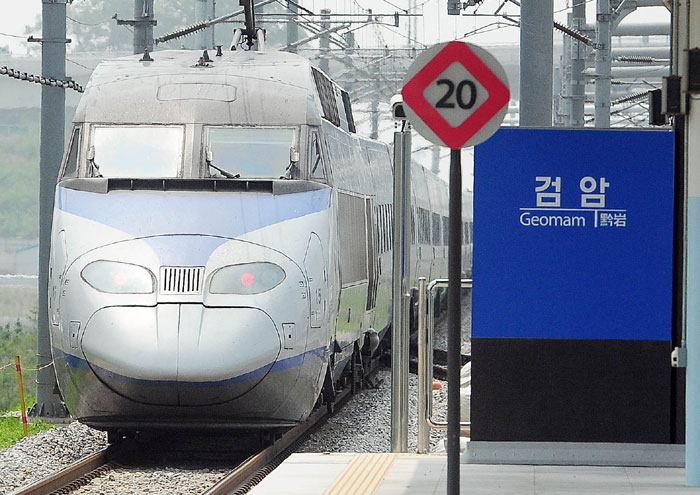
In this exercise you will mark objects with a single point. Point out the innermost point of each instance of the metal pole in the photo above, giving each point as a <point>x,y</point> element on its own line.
<point>578,64</point>
<point>454,321</point>
<point>374,117</point>
<point>536,20</point>
<point>143,26</point>
<point>435,166</point>
<point>324,42</point>
<point>602,65</point>
<point>292,27</point>
<point>689,24</point>
<point>411,31</point>
<point>53,122</point>
<point>213,27</point>
<point>400,294</point>
<point>425,374</point>
<point>563,115</point>
<point>203,12</point>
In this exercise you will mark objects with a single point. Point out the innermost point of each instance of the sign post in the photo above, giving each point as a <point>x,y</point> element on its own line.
<point>456,95</point>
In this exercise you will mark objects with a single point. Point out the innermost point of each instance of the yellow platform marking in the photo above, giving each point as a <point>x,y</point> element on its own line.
<point>363,475</point>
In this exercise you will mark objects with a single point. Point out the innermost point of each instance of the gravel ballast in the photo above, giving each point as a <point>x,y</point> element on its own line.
<point>37,456</point>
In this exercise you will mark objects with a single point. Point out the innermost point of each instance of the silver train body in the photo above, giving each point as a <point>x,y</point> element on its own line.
<point>221,242</point>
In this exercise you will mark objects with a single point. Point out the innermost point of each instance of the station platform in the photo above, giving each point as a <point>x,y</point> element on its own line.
<point>393,474</point>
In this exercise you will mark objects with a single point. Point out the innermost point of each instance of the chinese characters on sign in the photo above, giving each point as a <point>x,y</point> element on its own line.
<point>591,210</point>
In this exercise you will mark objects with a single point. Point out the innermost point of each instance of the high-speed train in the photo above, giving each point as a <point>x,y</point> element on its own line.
<point>221,242</point>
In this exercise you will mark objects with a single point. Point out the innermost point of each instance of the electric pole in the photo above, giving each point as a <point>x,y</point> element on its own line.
<point>536,52</point>
<point>53,121</point>
<point>142,23</point>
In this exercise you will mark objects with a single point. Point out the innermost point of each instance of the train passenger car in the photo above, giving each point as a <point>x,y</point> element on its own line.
<point>221,242</point>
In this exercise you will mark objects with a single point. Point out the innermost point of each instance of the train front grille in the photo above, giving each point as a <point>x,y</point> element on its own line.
<point>181,279</point>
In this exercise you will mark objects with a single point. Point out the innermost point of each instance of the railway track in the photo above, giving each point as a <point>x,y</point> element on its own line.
<point>77,474</point>
<point>240,479</point>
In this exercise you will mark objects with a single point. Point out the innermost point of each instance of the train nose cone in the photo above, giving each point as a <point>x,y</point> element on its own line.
<point>224,352</point>
<point>176,354</point>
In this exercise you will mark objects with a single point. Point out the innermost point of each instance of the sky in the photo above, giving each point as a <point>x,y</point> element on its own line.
<point>12,22</point>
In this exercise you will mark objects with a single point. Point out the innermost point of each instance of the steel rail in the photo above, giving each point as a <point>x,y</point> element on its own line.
<point>243,474</point>
<point>71,474</point>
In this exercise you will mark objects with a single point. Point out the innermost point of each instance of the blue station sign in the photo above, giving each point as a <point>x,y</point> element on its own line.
<point>573,234</point>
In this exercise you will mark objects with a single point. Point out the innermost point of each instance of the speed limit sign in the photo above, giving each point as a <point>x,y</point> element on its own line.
<point>456,94</point>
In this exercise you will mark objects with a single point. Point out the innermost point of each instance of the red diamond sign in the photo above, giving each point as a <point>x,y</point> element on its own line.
<point>456,94</point>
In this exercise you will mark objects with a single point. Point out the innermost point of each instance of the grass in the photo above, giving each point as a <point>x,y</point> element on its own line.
<point>17,339</point>
<point>11,430</point>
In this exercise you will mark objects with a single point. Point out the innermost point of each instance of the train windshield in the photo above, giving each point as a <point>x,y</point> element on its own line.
<point>136,151</point>
<point>253,152</point>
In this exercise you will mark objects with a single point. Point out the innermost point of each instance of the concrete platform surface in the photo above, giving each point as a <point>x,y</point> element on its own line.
<point>392,474</point>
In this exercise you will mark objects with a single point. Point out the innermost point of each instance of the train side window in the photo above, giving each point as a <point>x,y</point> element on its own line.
<point>70,167</point>
<point>436,229</point>
<point>391,223</point>
<point>424,225</point>
<point>413,226</point>
<point>380,228</point>
<point>317,168</point>
<point>445,231</point>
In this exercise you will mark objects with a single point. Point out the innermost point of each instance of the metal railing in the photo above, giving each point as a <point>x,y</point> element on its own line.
<point>426,326</point>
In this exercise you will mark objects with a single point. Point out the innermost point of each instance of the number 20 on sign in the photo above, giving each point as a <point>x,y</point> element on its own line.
<point>456,94</point>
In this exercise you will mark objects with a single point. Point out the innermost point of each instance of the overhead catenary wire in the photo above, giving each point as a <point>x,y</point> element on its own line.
<point>79,64</point>
<point>12,35</point>
<point>575,3</point>
<point>494,26</point>
<point>46,81</point>
<point>76,21</point>
<point>314,27</point>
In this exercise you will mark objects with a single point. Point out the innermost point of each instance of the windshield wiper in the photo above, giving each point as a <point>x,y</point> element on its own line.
<point>223,172</point>
<point>209,158</point>
<point>94,167</point>
<point>291,171</point>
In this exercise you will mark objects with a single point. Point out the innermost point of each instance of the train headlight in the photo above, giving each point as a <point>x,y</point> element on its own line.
<point>246,279</point>
<point>118,278</point>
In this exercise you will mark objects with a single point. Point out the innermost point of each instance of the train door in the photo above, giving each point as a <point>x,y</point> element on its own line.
<point>372,259</point>
<point>315,268</point>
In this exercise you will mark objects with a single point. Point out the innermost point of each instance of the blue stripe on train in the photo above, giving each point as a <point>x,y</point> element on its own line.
<point>282,365</point>
<point>147,213</point>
